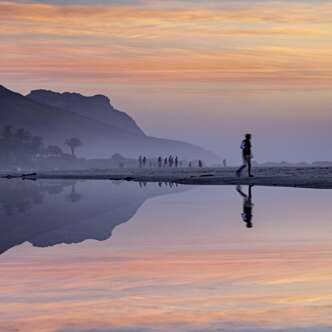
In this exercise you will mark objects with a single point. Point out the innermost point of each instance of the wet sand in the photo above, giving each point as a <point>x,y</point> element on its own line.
<point>303,177</point>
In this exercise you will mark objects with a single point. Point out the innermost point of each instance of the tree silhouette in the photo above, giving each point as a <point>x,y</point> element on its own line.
<point>73,144</point>
<point>8,133</point>
<point>54,150</point>
<point>74,196</point>
<point>20,147</point>
<point>22,135</point>
<point>37,144</point>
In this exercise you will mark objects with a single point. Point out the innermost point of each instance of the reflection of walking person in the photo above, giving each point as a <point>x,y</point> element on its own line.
<point>246,155</point>
<point>247,206</point>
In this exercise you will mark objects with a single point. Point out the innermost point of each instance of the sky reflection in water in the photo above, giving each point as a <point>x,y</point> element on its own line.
<point>166,259</point>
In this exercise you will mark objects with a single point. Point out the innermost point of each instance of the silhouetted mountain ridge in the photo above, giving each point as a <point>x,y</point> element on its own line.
<point>103,130</point>
<point>6,92</point>
<point>96,107</point>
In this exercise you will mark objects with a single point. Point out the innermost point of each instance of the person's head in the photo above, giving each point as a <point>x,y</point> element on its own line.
<point>248,136</point>
<point>249,224</point>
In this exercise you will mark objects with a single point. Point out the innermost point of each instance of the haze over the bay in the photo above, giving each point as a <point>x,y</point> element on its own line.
<point>200,71</point>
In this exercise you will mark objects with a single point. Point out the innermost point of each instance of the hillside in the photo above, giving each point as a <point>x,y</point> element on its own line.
<point>102,134</point>
<point>95,107</point>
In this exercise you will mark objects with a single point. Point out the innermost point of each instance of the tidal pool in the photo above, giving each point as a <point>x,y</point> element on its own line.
<point>102,256</point>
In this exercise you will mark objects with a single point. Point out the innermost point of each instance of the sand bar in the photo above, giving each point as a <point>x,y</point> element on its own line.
<point>303,177</point>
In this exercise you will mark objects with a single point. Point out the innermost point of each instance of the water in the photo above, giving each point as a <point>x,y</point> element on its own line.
<point>101,256</point>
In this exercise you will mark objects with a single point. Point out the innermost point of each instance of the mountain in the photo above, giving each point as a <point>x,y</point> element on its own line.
<point>52,123</point>
<point>95,107</point>
<point>102,129</point>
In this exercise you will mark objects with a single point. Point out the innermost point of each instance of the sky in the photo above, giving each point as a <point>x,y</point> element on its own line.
<point>201,71</point>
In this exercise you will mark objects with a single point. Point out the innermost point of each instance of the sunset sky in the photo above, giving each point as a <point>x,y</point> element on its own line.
<point>201,71</point>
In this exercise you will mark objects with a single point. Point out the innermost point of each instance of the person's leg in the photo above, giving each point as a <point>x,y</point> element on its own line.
<point>240,170</point>
<point>250,193</point>
<point>249,166</point>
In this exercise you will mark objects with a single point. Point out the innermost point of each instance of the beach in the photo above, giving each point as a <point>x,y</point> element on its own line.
<point>302,177</point>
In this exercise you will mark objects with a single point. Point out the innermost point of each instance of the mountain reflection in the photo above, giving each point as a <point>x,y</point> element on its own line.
<point>46,213</point>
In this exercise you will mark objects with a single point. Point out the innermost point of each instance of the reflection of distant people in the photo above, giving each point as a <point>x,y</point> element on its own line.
<point>224,163</point>
<point>247,206</point>
<point>246,155</point>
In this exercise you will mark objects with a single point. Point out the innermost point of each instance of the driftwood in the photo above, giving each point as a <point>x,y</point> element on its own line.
<point>18,176</point>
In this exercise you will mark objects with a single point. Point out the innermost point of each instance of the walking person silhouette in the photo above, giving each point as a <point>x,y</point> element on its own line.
<point>246,156</point>
<point>160,161</point>
<point>247,206</point>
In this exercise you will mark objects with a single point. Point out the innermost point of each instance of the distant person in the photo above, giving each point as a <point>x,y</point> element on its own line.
<point>160,161</point>
<point>165,162</point>
<point>200,163</point>
<point>224,163</point>
<point>140,161</point>
<point>170,161</point>
<point>190,164</point>
<point>144,161</point>
<point>176,162</point>
<point>247,206</point>
<point>246,156</point>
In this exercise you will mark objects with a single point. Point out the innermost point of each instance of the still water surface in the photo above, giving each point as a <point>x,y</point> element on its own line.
<point>102,256</point>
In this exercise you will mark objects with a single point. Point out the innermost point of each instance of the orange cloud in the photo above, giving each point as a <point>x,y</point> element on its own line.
<point>262,43</point>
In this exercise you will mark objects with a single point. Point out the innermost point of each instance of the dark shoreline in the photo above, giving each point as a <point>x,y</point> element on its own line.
<point>301,177</point>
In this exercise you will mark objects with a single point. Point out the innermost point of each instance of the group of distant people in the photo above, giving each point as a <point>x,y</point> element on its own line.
<point>166,162</point>
<point>173,161</point>
<point>160,162</point>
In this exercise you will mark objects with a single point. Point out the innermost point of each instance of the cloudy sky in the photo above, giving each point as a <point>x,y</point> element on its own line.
<point>201,71</point>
